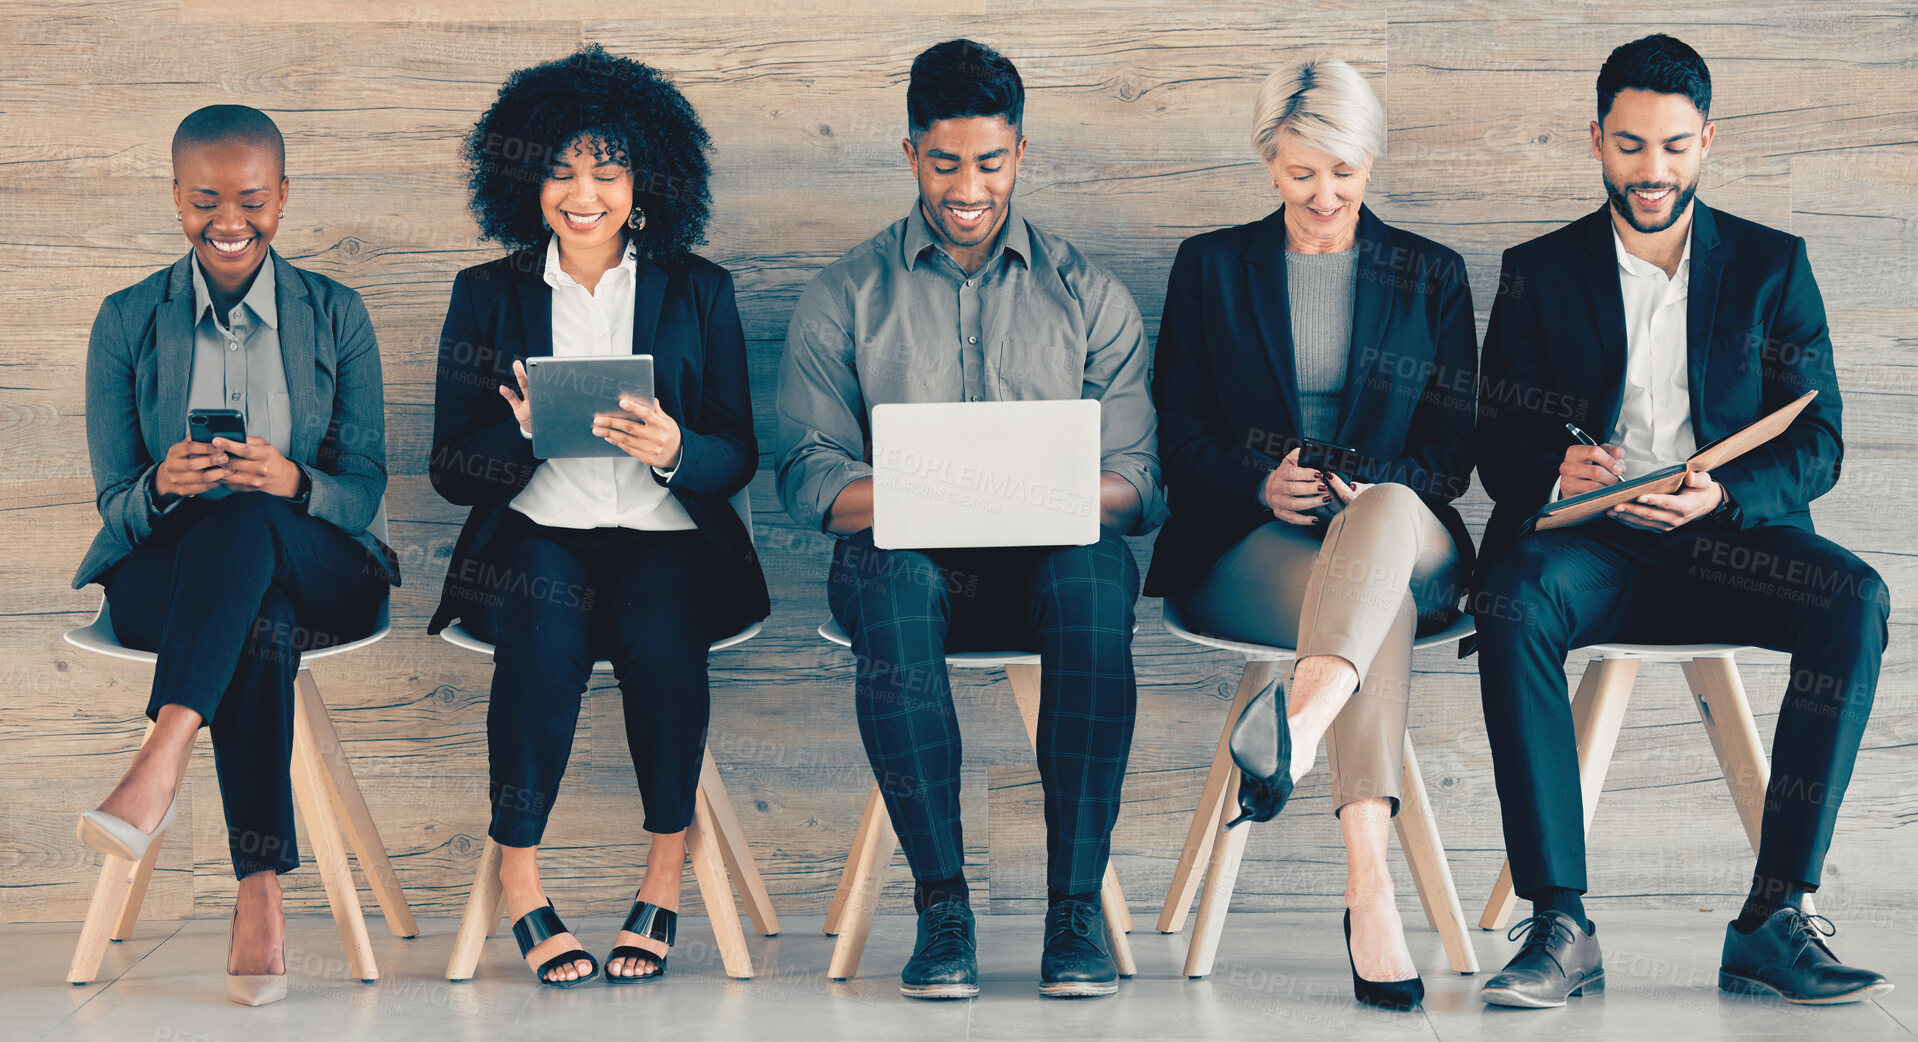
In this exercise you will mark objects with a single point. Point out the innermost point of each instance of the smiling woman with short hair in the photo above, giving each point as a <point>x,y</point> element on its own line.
<point>592,168</point>
<point>1321,326</point>
<point>230,556</point>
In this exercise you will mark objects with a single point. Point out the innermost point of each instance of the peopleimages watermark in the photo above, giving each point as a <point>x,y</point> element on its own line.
<point>971,485</point>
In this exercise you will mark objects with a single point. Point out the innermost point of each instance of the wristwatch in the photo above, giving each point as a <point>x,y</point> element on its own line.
<point>1727,508</point>
<point>306,489</point>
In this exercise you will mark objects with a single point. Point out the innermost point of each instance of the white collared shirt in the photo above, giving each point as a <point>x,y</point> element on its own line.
<point>600,492</point>
<point>1654,426</point>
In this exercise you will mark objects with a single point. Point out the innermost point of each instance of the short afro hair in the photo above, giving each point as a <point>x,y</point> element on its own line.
<point>1658,63</point>
<point>220,123</point>
<point>640,117</point>
<point>959,79</point>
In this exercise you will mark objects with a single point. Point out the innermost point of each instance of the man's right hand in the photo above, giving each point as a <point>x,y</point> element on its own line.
<point>1589,467</point>
<point>190,468</point>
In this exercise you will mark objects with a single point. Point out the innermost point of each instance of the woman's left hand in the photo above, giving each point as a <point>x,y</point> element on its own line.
<point>1345,492</point>
<point>258,465</point>
<point>649,435</point>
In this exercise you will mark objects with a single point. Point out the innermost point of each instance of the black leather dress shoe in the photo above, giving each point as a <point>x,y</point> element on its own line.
<point>1075,964</point>
<point>1786,958</point>
<point>945,962</point>
<point>1557,959</point>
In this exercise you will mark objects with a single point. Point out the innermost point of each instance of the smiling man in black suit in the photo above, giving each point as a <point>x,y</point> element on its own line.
<point>1661,325</point>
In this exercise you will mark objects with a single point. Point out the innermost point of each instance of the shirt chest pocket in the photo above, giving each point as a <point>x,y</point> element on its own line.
<point>1035,368</point>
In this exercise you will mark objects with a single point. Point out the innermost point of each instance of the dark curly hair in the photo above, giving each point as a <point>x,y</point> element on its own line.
<point>642,119</point>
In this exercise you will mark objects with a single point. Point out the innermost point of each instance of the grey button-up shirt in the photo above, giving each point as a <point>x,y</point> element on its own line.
<point>237,363</point>
<point>897,320</point>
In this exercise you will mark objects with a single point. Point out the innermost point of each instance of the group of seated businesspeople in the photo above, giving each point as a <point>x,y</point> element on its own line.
<point>1655,321</point>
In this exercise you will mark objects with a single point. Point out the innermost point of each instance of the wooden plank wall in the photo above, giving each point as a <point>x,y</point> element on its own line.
<point>1138,118</point>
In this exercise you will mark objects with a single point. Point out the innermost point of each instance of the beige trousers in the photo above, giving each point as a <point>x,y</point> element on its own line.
<point>1386,570</point>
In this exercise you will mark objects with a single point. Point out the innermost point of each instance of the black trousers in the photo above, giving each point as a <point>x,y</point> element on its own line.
<point>228,592</point>
<point>904,609</point>
<point>554,601</point>
<point>1776,587</point>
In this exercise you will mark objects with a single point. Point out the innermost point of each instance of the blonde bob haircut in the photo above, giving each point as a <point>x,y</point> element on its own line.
<point>1328,105</point>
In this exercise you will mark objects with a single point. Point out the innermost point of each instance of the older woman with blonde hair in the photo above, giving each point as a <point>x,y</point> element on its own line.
<point>1315,383</point>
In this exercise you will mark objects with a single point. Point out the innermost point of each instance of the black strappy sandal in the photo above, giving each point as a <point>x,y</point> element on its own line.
<point>647,920</point>
<point>538,925</point>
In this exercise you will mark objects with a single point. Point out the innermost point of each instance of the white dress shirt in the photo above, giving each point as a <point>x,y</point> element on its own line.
<point>1654,427</point>
<point>599,492</point>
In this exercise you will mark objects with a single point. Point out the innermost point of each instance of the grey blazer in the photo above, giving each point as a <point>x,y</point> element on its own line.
<point>140,360</point>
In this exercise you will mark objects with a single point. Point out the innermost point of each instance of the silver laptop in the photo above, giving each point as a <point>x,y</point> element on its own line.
<point>959,474</point>
<point>566,393</point>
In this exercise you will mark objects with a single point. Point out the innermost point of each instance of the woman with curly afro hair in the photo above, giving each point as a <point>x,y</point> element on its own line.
<point>592,170</point>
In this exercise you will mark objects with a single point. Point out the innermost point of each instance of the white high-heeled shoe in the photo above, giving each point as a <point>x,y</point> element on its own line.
<point>112,835</point>
<point>254,989</point>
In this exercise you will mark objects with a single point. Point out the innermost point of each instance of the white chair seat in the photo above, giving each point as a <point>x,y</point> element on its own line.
<point>832,631</point>
<point>98,637</point>
<point>1175,625</point>
<point>457,635</point>
<point>1666,652</point>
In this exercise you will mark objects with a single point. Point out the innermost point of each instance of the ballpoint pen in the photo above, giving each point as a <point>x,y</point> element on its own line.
<point>1581,435</point>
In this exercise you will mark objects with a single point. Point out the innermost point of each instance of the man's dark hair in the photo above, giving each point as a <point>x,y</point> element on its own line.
<point>958,79</point>
<point>1657,63</point>
<point>217,123</point>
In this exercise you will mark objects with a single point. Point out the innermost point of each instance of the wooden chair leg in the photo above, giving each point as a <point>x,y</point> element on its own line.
<point>311,792</point>
<point>1719,694</point>
<point>110,895</point>
<point>114,910</point>
<point>481,918</point>
<point>136,896</point>
<point>1431,873</point>
<point>1113,900</point>
<point>364,836</point>
<point>866,877</point>
<point>1024,677</point>
<point>1221,875</point>
<point>716,890</point>
<point>862,839</point>
<point>732,847</point>
<point>1118,924</point>
<point>1598,710</point>
<point>1213,801</point>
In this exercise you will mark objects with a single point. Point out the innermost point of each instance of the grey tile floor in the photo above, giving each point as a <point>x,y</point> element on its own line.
<point>1279,976</point>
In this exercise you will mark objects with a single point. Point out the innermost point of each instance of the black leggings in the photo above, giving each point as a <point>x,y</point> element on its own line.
<point>553,601</point>
<point>229,592</point>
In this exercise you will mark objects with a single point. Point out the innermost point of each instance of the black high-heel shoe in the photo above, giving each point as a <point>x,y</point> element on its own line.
<point>1261,745</point>
<point>538,925</point>
<point>1386,994</point>
<point>647,920</point>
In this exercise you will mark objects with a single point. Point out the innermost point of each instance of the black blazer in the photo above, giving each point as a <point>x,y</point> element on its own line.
<point>1226,388</point>
<point>1755,339</point>
<point>685,317</point>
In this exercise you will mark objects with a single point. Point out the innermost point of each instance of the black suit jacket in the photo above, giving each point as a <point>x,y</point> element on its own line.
<point>1755,339</point>
<point>1225,384</point>
<point>685,317</point>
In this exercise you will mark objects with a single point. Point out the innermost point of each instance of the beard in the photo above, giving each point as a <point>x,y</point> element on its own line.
<point>1622,203</point>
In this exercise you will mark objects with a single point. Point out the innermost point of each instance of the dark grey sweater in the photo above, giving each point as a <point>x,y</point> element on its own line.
<point>1320,289</point>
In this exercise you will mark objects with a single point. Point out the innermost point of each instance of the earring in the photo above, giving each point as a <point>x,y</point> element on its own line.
<point>636,220</point>
<point>282,216</point>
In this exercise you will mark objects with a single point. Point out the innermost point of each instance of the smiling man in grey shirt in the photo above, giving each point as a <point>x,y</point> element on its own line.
<point>965,300</point>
